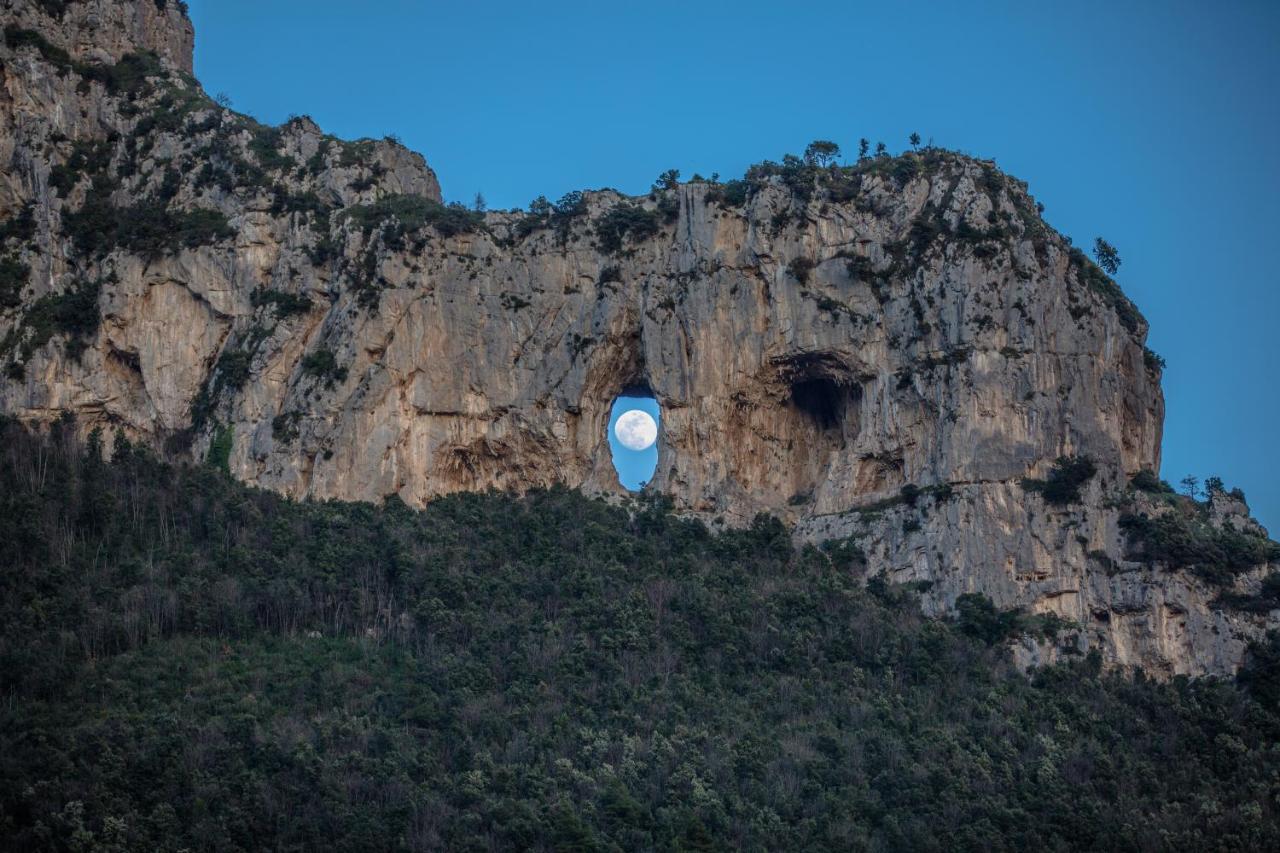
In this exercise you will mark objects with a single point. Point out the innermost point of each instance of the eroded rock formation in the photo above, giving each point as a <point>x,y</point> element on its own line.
<point>820,339</point>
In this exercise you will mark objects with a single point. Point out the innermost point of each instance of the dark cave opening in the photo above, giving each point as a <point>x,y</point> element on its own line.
<point>821,398</point>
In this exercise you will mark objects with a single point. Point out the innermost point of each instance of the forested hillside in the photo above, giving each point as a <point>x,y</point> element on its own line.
<point>189,663</point>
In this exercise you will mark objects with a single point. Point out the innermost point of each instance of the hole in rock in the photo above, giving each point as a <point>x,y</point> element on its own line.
<point>634,423</point>
<point>820,398</point>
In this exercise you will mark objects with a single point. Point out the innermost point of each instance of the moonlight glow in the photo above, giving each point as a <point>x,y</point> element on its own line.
<point>636,430</point>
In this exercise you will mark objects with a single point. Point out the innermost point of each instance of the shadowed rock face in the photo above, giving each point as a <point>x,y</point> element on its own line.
<point>818,340</point>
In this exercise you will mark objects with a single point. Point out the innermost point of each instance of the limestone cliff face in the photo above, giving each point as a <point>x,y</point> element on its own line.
<point>819,338</point>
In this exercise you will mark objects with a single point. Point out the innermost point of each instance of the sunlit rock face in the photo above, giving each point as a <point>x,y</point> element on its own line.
<point>814,347</point>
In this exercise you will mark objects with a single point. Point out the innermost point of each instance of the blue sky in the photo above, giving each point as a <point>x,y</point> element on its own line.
<point>1151,124</point>
<point>635,467</point>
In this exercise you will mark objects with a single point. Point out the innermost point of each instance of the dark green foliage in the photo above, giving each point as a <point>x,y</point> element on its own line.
<point>73,313</point>
<point>233,368</point>
<point>609,274</point>
<point>14,275</point>
<point>87,158</point>
<point>128,77</point>
<point>185,662</point>
<point>1153,360</point>
<point>283,303</point>
<point>905,169</point>
<point>1099,282</point>
<point>558,216</point>
<point>265,147</point>
<point>799,176</point>
<point>730,193</point>
<point>1265,600</point>
<point>398,215</point>
<point>1184,539</point>
<point>978,617</point>
<point>622,223</point>
<point>1108,257</point>
<point>284,427</point>
<point>799,269</point>
<point>668,208</point>
<point>231,372</point>
<point>821,153</point>
<point>17,37</point>
<point>219,455</point>
<point>668,180</point>
<point>55,8</point>
<point>20,226</point>
<point>1062,487</point>
<point>1148,481</point>
<point>148,228</point>
<point>1261,671</point>
<point>323,364</point>
<point>283,201</point>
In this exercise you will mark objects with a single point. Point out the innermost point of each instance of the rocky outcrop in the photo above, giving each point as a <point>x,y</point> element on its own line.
<point>820,338</point>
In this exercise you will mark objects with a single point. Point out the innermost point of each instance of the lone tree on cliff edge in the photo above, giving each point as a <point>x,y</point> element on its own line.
<point>915,140</point>
<point>1108,257</point>
<point>821,152</point>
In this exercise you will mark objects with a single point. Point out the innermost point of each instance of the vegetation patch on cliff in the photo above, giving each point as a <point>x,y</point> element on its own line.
<point>1184,539</point>
<point>1066,478</point>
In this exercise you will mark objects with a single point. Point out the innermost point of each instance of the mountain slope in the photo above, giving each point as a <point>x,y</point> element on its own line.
<point>899,350</point>
<point>187,663</point>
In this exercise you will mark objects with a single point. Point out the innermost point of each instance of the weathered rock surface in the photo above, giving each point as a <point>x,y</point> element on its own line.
<point>818,338</point>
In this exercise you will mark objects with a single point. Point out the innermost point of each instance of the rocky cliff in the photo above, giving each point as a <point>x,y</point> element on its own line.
<point>893,354</point>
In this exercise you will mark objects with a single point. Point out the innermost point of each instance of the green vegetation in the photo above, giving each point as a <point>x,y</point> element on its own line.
<point>1099,282</point>
<point>1149,481</point>
<point>265,147</point>
<point>188,663</point>
<point>14,276</point>
<point>559,216</point>
<point>323,364</point>
<point>20,226</point>
<point>1065,479</point>
<point>1265,600</point>
<point>87,158</point>
<point>73,314</point>
<point>284,304</point>
<point>622,223</point>
<point>730,193</point>
<point>399,215</point>
<point>1184,539</point>
<point>978,617</point>
<point>1107,256</point>
<point>148,228</point>
<point>220,448</point>
<point>799,269</point>
<point>128,77</point>
<point>230,373</point>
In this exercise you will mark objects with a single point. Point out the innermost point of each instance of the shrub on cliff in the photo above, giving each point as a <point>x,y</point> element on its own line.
<point>148,227</point>
<point>624,222</point>
<point>399,215</point>
<point>1184,539</point>
<point>1063,484</point>
<point>323,364</point>
<point>14,276</point>
<point>73,313</point>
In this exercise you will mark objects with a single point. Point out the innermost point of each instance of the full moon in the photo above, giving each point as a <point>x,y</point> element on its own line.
<point>636,430</point>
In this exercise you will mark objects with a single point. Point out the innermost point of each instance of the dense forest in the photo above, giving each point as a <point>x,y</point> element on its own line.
<point>187,663</point>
